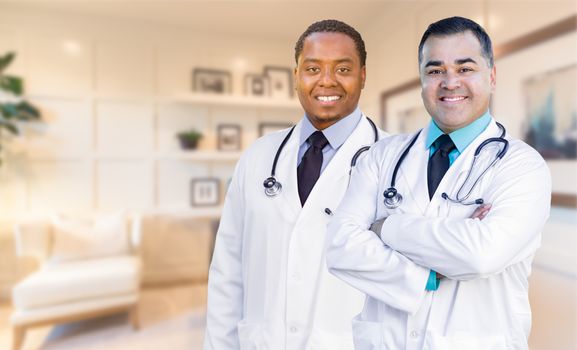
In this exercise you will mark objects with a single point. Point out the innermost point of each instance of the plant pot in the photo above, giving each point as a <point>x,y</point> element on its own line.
<point>188,144</point>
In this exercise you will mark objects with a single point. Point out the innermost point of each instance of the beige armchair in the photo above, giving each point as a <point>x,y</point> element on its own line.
<point>72,287</point>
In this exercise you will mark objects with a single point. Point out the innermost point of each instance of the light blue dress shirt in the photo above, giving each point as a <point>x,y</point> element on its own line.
<point>336,134</point>
<point>461,138</point>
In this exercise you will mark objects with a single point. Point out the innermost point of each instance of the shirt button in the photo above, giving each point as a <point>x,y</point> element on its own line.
<point>294,329</point>
<point>414,334</point>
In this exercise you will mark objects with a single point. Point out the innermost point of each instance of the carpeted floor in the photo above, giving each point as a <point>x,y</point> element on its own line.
<point>171,318</point>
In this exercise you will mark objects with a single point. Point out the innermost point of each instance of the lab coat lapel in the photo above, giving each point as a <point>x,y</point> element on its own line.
<point>286,171</point>
<point>458,171</point>
<point>413,176</point>
<point>334,179</point>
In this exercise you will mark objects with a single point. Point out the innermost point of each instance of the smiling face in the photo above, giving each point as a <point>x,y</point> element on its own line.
<point>456,80</point>
<point>329,78</point>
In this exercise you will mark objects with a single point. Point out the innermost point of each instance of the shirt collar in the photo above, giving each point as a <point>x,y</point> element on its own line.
<point>461,137</point>
<point>337,133</point>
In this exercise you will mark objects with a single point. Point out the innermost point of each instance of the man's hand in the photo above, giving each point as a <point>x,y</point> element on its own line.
<point>481,212</point>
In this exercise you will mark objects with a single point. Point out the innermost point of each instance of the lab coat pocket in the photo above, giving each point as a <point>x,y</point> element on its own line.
<point>462,341</point>
<point>367,335</point>
<point>250,336</point>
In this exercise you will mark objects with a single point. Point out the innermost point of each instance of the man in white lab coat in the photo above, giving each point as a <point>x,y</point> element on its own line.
<point>442,272</point>
<point>268,286</point>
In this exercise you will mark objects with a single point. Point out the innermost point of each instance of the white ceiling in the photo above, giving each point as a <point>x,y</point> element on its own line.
<point>271,19</point>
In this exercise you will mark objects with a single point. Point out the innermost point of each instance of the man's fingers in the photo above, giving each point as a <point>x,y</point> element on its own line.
<point>481,211</point>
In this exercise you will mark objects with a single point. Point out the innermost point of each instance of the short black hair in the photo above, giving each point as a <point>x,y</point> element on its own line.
<point>332,26</point>
<point>455,25</point>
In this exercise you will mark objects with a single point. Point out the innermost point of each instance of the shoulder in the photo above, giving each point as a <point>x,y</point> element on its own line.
<point>391,143</point>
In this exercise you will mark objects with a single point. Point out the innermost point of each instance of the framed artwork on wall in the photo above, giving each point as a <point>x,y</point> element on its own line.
<point>214,81</point>
<point>256,85</point>
<point>204,192</point>
<point>551,112</point>
<point>229,137</point>
<point>281,81</point>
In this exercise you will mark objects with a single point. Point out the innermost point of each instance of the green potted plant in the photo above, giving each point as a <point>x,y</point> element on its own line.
<point>189,138</point>
<point>13,108</point>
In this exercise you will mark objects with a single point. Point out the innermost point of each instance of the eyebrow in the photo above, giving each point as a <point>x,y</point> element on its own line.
<point>338,60</point>
<point>457,61</point>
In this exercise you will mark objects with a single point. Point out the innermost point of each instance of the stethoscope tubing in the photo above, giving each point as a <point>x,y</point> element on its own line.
<point>393,198</point>
<point>274,187</point>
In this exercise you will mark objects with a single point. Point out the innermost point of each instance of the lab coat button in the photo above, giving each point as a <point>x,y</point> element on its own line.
<point>294,329</point>
<point>414,334</point>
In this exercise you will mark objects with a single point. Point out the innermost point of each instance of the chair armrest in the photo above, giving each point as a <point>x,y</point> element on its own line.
<point>33,239</point>
<point>135,234</point>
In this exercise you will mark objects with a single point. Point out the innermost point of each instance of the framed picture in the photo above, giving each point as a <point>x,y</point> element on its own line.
<point>211,81</point>
<point>551,112</point>
<point>204,192</point>
<point>229,137</point>
<point>281,81</point>
<point>267,128</point>
<point>256,85</point>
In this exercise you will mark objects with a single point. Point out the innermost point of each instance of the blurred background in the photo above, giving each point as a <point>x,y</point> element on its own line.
<point>109,202</point>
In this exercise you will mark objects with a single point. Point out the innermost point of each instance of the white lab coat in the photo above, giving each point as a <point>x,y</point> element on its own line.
<point>269,287</point>
<point>483,303</point>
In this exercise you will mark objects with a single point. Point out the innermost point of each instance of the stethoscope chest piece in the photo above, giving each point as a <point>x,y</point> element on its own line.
<point>393,198</point>
<point>272,187</point>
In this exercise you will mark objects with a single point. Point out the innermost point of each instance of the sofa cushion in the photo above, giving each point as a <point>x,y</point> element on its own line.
<point>77,280</point>
<point>76,238</point>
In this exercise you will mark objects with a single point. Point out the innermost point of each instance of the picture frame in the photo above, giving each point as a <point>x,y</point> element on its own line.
<point>508,100</point>
<point>257,85</point>
<point>213,81</point>
<point>281,81</point>
<point>204,192</point>
<point>229,137</point>
<point>269,127</point>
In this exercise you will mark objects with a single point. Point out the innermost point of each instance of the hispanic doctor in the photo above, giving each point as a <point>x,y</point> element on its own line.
<point>268,286</point>
<point>437,273</point>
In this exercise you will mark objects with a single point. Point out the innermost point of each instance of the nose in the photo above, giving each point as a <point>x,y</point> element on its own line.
<point>450,81</point>
<point>327,78</point>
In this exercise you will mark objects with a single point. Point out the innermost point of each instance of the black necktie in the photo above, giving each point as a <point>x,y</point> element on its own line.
<point>439,162</point>
<point>309,169</point>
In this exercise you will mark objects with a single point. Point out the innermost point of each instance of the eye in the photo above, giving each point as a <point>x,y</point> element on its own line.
<point>465,69</point>
<point>435,72</point>
<point>313,69</point>
<point>343,70</point>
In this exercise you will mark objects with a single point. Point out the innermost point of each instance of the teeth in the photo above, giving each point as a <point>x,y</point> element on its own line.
<point>453,99</point>
<point>328,98</point>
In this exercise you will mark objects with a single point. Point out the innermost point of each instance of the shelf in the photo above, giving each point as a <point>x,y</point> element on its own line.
<point>195,213</point>
<point>215,156</point>
<point>235,101</point>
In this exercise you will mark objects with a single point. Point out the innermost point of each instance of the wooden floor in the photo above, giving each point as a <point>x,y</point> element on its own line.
<point>171,317</point>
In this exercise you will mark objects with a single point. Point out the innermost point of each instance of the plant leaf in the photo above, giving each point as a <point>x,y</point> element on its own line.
<point>12,84</point>
<point>9,126</point>
<point>5,60</point>
<point>9,110</point>
<point>26,111</point>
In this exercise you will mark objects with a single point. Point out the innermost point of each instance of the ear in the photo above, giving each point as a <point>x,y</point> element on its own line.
<point>493,78</point>
<point>363,76</point>
<point>295,77</point>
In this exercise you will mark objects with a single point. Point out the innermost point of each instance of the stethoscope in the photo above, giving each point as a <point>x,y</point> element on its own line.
<point>273,187</point>
<point>393,198</point>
